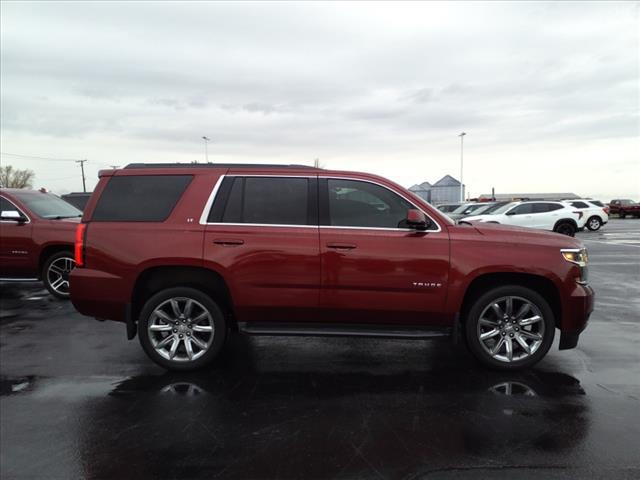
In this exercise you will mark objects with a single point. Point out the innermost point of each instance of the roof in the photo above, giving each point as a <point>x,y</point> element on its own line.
<point>447,181</point>
<point>214,165</point>
<point>531,196</point>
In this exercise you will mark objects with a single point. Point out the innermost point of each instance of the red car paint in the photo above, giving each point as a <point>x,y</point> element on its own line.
<point>317,274</point>
<point>25,246</point>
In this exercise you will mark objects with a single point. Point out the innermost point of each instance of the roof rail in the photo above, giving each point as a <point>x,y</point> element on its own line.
<point>213,165</point>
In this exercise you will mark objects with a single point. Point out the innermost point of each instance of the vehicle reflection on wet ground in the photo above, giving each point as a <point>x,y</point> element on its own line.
<point>79,401</point>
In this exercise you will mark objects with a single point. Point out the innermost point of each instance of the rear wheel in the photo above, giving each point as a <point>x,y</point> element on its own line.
<point>510,327</point>
<point>594,223</point>
<point>622,214</point>
<point>181,328</point>
<point>55,273</point>
<point>566,228</point>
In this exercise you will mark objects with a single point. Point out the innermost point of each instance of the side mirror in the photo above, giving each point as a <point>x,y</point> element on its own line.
<point>511,212</point>
<point>416,219</point>
<point>12,215</point>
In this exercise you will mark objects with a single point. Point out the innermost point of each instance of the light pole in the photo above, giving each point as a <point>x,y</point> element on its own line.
<point>206,148</point>
<point>461,165</point>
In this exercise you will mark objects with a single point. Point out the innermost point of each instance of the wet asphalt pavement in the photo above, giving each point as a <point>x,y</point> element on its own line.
<point>77,400</point>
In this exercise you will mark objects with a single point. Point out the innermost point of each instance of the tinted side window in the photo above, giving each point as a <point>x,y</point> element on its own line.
<point>268,200</point>
<point>523,209</point>
<point>6,205</point>
<point>140,198</point>
<point>362,204</point>
<point>554,206</point>
<point>541,207</point>
<point>579,204</point>
<point>598,203</point>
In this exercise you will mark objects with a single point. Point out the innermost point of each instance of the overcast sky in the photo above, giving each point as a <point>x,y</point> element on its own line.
<point>548,93</point>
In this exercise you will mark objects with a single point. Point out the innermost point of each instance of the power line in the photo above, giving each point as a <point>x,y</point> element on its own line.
<point>32,157</point>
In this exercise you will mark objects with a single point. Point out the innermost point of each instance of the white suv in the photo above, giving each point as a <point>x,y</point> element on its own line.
<point>594,211</point>
<point>558,217</point>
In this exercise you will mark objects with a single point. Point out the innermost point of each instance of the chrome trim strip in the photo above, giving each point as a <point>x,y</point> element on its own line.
<point>208,205</point>
<point>18,279</point>
<point>212,196</point>
<point>17,208</point>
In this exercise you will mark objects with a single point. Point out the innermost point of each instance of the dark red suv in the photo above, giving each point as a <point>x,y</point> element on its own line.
<point>182,254</point>
<point>37,233</point>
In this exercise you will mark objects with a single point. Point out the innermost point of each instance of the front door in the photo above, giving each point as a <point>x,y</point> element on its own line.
<point>262,234</point>
<point>374,269</point>
<point>17,256</point>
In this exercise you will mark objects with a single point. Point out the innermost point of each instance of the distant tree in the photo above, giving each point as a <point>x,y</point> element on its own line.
<point>16,178</point>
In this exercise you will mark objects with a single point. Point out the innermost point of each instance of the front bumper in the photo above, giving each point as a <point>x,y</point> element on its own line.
<point>576,312</point>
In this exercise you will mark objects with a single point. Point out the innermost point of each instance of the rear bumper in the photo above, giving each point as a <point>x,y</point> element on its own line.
<point>99,294</point>
<point>577,310</point>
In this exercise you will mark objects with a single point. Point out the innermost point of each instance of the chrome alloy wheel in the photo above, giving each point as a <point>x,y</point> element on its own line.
<point>511,329</point>
<point>181,329</point>
<point>594,223</point>
<point>58,275</point>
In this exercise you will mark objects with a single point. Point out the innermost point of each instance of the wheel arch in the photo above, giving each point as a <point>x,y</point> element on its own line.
<point>537,283</point>
<point>156,278</point>
<point>565,220</point>
<point>50,250</point>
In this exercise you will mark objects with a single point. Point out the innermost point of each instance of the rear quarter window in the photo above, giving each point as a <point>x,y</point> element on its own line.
<point>140,198</point>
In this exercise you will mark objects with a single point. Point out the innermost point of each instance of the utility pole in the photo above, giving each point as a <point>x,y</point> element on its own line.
<point>206,148</point>
<point>461,165</point>
<point>114,166</point>
<point>84,185</point>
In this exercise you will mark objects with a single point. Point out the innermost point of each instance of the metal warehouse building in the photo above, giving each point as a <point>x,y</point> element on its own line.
<point>445,190</point>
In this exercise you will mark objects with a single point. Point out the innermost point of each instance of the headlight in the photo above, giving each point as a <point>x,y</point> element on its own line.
<point>579,257</point>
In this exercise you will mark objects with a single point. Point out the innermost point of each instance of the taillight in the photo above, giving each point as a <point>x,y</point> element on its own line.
<point>606,210</point>
<point>79,247</point>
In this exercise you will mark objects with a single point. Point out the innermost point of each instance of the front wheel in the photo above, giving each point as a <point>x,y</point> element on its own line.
<point>594,223</point>
<point>622,214</point>
<point>181,328</point>
<point>55,273</point>
<point>509,328</point>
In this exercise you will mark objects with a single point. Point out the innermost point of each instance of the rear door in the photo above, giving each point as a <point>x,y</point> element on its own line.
<point>547,214</point>
<point>374,269</point>
<point>262,233</point>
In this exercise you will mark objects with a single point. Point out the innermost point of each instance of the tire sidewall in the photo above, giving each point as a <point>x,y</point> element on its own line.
<point>217,316</point>
<point>599,223</point>
<point>45,271</point>
<point>572,233</point>
<point>471,325</point>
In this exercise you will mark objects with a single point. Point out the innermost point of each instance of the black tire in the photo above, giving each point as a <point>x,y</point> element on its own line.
<point>594,223</point>
<point>51,276</point>
<point>565,228</point>
<point>204,301</point>
<point>622,214</point>
<point>485,300</point>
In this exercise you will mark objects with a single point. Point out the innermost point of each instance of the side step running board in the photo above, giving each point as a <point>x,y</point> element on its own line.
<point>333,330</point>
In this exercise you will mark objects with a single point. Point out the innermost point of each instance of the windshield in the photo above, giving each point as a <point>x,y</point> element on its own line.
<point>46,205</point>
<point>503,208</point>
<point>493,207</point>
<point>448,208</point>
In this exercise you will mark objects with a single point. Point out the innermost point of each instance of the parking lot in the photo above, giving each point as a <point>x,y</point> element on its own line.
<point>80,401</point>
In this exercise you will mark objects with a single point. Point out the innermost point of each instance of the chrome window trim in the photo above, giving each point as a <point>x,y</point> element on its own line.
<point>18,209</point>
<point>207,208</point>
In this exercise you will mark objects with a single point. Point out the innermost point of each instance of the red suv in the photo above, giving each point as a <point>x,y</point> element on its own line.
<point>182,254</point>
<point>37,233</point>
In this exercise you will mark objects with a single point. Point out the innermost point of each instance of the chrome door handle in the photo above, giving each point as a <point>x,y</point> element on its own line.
<point>228,242</point>
<point>341,246</point>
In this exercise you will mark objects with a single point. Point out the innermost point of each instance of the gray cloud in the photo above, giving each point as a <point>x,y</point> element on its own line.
<point>354,84</point>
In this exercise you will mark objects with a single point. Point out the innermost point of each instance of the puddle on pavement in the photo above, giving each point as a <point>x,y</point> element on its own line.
<point>12,386</point>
